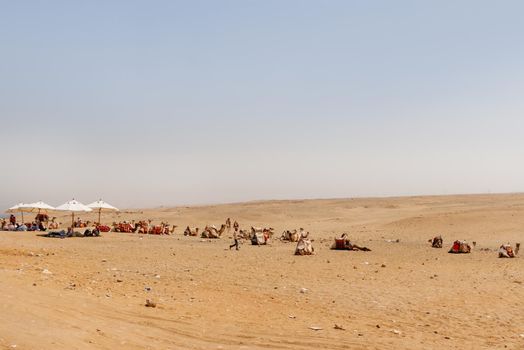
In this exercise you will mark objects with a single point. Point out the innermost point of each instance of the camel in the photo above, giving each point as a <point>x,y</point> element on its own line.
<point>506,251</point>
<point>243,234</point>
<point>304,245</point>
<point>125,227</point>
<point>143,226</point>
<point>80,224</point>
<point>343,243</point>
<point>260,238</point>
<point>189,232</point>
<point>269,230</point>
<point>53,225</point>
<point>436,242</point>
<point>212,232</point>
<point>290,236</point>
<point>167,230</point>
<point>460,247</point>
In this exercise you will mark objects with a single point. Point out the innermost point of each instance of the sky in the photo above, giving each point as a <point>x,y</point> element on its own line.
<point>158,103</point>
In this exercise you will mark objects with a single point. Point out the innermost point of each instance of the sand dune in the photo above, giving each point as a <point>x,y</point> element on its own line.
<point>402,295</point>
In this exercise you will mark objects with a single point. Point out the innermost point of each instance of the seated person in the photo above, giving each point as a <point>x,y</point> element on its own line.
<point>21,227</point>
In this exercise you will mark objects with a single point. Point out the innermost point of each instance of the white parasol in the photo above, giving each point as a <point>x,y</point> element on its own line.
<point>19,208</point>
<point>102,207</point>
<point>38,206</point>
<point>73,206</point>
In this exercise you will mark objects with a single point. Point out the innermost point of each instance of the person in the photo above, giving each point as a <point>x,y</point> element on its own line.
<point>235,237</point>
<point>21,227</point>
<point>235,225</point>
<point>12,219</point>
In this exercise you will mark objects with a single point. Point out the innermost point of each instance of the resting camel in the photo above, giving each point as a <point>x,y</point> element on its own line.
<point>304,245</point>
<point>506,251</point>
<point>343,243</point>
<point>290,236</point>
<point>436,242</point>
<point>243,234</point>
<point>169,231</point>
<point>53,225</point>
<point>81,224</point>
<point>269,230</point>
<point>189,232</point>
<point>125,227</point>
<point>460,247</point>
<point>212,232</point>
<point>143,226</point>
<point>260,238</point>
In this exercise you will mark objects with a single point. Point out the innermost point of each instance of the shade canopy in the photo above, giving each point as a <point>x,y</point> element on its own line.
<point>20,207</point>
<point>37,207</point>
<point>100,205</point>
<point>73,206</point>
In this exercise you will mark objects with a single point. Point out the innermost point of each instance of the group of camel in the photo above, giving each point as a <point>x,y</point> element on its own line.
<point>463,247</point>
<point>257,235</point>
<point>261,236</point>
<point>144,227</point>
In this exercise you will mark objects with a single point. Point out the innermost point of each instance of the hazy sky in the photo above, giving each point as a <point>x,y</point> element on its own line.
<point>147,103</point>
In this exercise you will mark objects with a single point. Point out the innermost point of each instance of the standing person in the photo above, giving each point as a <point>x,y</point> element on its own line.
<point>235,237</point>
<point>12,219</point>
<point>235,225</point>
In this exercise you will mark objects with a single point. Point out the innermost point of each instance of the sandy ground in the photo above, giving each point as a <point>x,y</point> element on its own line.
<point>402,295</point>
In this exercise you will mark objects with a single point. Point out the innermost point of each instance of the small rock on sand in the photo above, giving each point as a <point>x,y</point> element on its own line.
<point>303,290</point>
<point>150,303</point>
<point>46,272</point>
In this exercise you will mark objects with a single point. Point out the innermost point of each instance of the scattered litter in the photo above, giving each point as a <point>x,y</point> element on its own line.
<point>303,290</point>
<point>315,328</point>
<point>293,316</point>
<point>148,289</point>
<point>396,331</point>
<point>339,327</point>
<point>47,272</point>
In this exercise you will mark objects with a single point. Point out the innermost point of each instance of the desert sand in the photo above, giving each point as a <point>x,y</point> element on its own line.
<point>90,293</point>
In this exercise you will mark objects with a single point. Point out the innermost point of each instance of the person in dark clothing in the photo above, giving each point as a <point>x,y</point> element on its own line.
<point>235,237</point>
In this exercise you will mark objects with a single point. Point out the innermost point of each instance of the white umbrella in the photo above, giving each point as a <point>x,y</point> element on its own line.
<point>38,206</point>
<point>73,206</point>
<point>19,208</point>
<point>102,207</point>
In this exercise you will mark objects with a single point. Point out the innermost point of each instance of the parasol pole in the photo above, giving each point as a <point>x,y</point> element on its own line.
<point>99,212</point>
